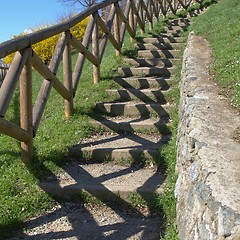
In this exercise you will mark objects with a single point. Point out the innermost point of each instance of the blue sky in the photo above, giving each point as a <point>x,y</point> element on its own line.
<point>19,15</point>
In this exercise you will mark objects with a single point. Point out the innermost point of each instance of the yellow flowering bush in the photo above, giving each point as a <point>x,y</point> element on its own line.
<point>79,29</point>
<point>45,48</point>
<point>8,58</point>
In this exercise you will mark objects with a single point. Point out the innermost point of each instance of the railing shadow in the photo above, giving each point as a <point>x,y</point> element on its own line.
<point>153,71</point>
<point>143,82</point>
<point>145,110</point>
<point>76,219</point>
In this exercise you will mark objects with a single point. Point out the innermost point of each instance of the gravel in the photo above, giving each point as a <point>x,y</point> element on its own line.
<point>77,221</point>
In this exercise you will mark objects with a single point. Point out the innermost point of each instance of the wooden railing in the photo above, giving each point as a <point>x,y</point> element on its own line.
<point>3,72</point>
<point>120,19</point>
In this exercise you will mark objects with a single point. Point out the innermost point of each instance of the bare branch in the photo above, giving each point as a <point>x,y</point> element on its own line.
<point>84,3</point>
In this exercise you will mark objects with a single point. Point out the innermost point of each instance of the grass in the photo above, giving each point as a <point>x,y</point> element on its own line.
<point>226,71</point>
<point>220,26</point>
<point>20,196</point>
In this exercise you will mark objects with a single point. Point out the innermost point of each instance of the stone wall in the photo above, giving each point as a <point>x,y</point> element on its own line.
<point>208,162</point>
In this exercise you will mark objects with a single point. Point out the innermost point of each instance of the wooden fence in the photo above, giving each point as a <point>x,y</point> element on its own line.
<point>3,72</point>
<point>120,19</point>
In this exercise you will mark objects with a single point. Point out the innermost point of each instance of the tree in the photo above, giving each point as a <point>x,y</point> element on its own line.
<point>84,3</point>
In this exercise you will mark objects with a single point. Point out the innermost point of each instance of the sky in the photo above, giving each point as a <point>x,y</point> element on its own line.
<point>20,15</point>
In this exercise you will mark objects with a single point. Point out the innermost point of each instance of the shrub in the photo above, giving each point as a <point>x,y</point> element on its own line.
<point>45,48</point>
<point>79,29</point>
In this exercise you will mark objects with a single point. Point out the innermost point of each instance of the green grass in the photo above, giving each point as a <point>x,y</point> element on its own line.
<point>226,71</point>
<point>167,159</point>
<point>20,196</point>
<point>220,26</point>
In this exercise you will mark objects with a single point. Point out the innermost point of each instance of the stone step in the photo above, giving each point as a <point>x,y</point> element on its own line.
<point>181,27</point>
<point>169,39</point>
<point>106,182</point>
<point>134,109</point>
<point>131,147</point>
<point>143,83</point>
<point>146,71</point>
<point>179,21</point>
<point>158,46</point>
<point>159,54</point>
<point>151,62</point>
<point>144,95</point>
<point>170,34</point>
<point>122,125</point>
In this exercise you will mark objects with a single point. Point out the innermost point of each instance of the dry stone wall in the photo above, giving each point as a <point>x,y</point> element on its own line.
<point>208,162</point>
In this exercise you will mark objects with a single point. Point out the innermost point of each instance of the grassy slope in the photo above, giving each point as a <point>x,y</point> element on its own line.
<point>220,26</point>
<point>20,197</point>
<point>225,69</point>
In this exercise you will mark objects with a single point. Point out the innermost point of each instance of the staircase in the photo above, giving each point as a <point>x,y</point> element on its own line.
<point>136,124</point>
<point>120,164</point>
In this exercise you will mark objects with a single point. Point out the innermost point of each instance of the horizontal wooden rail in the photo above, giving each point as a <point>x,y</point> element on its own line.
<point>121,17</point>
<point>17,44</point>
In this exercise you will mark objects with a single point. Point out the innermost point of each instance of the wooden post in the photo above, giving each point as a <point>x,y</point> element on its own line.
<point>105,36</point>
<point>125,22</point>
<point>131,20</point>
<point>150,10</point>
<point>141,15</point>
<point>95,51</point>
<point>26,108</point>
<point>81,57</point>
<point>155,8</point>
<point>47,85</point>
<point>67,74</point>
<point>10,82</point>
<point>117,28</point>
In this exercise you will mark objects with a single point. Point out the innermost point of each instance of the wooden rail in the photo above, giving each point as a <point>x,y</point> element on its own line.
<point>3,72</point>
<point>120,19</point>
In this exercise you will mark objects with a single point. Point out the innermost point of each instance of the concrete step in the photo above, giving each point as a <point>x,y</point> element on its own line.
<point>158,46</point>
<point>170,34</point>
<point>122,125</point>
<point>134,109</point>
<point>151,62</point>
<point>144,95</point>
<point>146,71</point>
<point>133,148</point>
<point>180,21</point>
<point>106,181</point>
<point>169,39</point>
<point>143,83</point>
<point>159,54</point>
<point>181,27</point>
